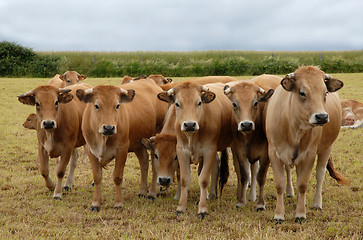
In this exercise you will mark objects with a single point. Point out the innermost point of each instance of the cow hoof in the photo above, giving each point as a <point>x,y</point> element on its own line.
<point>140,195</point>
<point>317,208</point>
<point>151,197</point>
<point>202,215</point>
<point>57,198</point>
<point>300,220</point>
<point>66,188</point>
<point>260,209</point>
<point>278,221</point>
<point>177,213</point>
<point>95,209</point>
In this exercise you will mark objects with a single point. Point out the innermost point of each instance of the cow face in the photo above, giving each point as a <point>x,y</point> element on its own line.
<point>106,102</point>
<point>160,79</point>
<point>72,77</point>
<point>165,159</point>
<point>47,100</point>
<point>31,121</point>
<point>188,99</point>
<point>247,100</point>
<point>309,87</point>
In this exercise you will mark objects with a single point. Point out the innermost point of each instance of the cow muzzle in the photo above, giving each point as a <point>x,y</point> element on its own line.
<point>246,126</point>
<point>190,126</point>
<point>108,130</point>
<point>319,119</point>
<point>48,124</point>
<point>164,181</point>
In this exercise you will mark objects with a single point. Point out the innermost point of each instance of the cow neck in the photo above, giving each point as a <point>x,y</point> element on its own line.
<point>191,138</point>
<point>49,143</point>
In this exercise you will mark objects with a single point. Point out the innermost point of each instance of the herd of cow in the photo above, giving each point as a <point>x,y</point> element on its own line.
<point>267,120</point>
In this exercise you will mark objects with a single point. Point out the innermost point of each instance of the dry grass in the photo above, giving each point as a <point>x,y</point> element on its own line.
<point>27,210</point>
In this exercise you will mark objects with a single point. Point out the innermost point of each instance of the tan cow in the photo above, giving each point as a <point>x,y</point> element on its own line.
<point>303,119</point>
<point>157,78</point>
<point>203,116</point>
<point>201,81</point>
<point>114,122</point>
<point>67,79</point>
<point>31,122</point>
<point>352,113</point>
<point>59,121</point>
<point>165,163</point>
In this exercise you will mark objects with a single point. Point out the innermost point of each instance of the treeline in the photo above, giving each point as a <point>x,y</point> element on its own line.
<point>18,61</point>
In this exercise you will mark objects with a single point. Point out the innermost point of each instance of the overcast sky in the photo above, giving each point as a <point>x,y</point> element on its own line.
<point>183,25</point>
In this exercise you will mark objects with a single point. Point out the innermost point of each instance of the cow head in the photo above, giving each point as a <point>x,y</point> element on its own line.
<point>47,100</point>
<point>309,87</point>
<point>31,121</point>
<point>72,77</point>
<point>165,159</point>
<point>106,104</point>
<point>248,101</point>
<point>160,79</point>
<point>188,98</point>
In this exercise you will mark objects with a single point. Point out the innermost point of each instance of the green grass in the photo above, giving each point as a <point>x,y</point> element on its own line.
<point>27,210</point>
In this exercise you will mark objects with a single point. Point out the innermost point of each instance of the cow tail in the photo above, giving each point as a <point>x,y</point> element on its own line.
<point>224,171</point>
<point>335,174</point>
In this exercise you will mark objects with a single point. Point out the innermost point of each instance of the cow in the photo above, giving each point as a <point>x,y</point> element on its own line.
<point>114,122</point>
<point>203,116</point>
<point>31,122</point>
<point>67,79</point>
<point>303,119</point>
<point>352,113</point>
<point>157,78</point>
<point>58,126</point>
<point>248,100</point>
<point>165,163</point>
<point>201,81</point>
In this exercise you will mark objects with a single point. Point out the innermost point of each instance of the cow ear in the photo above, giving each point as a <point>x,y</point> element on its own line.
<point>208,96</point>
<point>266,95</point>
<point>81,77</point>
<point>85,96</point>
<point>65,96</point>
<point>147,143</point>
<point>288,83</point>
<point>27,98</point>
<point>167,96</point>
<point>333,84</point>
<point>227,91</point>
<point>62,77</point>
<point>127,95</point>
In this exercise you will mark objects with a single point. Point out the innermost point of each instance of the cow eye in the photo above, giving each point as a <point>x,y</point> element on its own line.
<point>302,94</point>
<point>118,106</point>
<point>68,80</point>
<point>255,104</point>
<point>176,157</point>
<point>199,103</point>
<point>156,156</point>
<point>37,104</point>
<point>235,106</point>
<point>97,107</point>
<point>177,105</point>
<point>56,103</point>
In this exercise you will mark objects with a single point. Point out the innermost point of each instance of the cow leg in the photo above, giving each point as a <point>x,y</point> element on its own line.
<point>303,172</point>
<point>61,168</point>
<point>143,158</point>
<point>254,168</point>
<point>153,186</point>
<point>209,160</point>
<point>280,185</point>
<point>72,168</point>
<point>289,187</point>
<point>214,179</point>
<point>118,173</point>
<point>243,168</point>
<point>184,164</point>
<point>84,160</point>
<point>178,189</point>
<point>320,174</point>
<point>97,179</point>
<point>261,179</point>
<point>44,168</point>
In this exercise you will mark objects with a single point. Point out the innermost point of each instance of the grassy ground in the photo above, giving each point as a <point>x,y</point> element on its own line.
<point>27,210</point>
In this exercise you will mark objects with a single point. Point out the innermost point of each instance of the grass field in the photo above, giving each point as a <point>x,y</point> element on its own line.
<point>27,210</point>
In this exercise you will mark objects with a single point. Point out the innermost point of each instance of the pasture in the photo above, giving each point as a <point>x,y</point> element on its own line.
<point>28,211</point>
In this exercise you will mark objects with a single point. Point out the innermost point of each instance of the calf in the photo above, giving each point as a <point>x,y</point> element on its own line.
<point>67,79</point>
<point>58,128</point>
<point>202,128</point>
<point>303,119</point>
<point>352,113</point>
<point>114,122</point>
<point>31,122</point>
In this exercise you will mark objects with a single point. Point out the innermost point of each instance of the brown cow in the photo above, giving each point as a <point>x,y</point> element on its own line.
<point>352,113</point>
<point>114,122</point>
<point>59,121</point>
<point>31,122</point>
<point>157,78</point>
<point>67,79</point>
<point>202,128</point>
<point>201,81</point>
<point>303,119</point>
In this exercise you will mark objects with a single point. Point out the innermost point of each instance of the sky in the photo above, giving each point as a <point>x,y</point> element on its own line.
<point>183,25</point>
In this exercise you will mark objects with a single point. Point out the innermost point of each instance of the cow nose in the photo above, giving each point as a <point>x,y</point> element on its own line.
<point>108,130</point>
<point>164,181</point>
<point>246,126</point>
<point>321,118</point>
<point>48,124</point>
<point>190,126</point>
